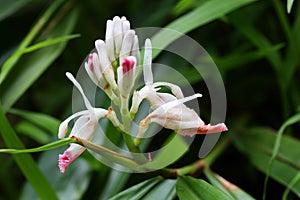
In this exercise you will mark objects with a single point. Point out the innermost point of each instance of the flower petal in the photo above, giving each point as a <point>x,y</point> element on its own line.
<point>148,77</point>
<point>63,127</point>
<point>127,44</point>
<point>175,89</point>
<point>78,86</point>
<point>109,41</point>
<point>117,34</point>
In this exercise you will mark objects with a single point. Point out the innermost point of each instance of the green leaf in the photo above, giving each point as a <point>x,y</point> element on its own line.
<point>174,144</point>
<point>70,185</point>
<point>46,147</point>
<point>101,152</point>
<point>191,188</point>
<point>290,185</point>
<point>115,182</point>
<point>238,59</point>
<point>165,190</point>
<point>205,13</point>
<point>25,161</point>
<point>8,66</point>
<point>245,26</point>
<point>32,65</point>
<point>47,43</point>
<point>33,132</point>
<point>9,7</point>
<point>294,119</point>
<point>258,145</point>
<point>139,190</point>
<point>44,121</point>
<point>231,190</point>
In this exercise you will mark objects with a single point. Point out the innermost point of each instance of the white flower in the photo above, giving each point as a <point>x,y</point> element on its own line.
<point>176,116</point>
<point>169,110</point>
<point>84,127</point>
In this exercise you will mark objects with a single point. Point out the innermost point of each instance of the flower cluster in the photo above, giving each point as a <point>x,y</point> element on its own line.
<point>119,56</point>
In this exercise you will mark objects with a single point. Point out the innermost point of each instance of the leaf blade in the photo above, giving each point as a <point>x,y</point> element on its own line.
<point>25,161</point>
<point>191,188</point>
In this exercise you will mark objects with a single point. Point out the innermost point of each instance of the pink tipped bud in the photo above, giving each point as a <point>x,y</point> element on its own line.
<point>128,64</point>
<point>126,75</point>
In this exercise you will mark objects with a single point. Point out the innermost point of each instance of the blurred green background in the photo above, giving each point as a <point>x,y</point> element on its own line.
<point>255,44</point>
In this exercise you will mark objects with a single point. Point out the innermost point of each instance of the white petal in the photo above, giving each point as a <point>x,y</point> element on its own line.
<point>84,127</point>
<point>135,51</point>
<point>103,58</point>
<point>125,27</point>
<point>176,90</point>
<point>148,77</point>
<point>109,40</point>
<point>63,128</point>
<point>167,106</point>
<point>117,34</point>
<point>76,84</point>
<point>126,45</point>
<point>91,74</point>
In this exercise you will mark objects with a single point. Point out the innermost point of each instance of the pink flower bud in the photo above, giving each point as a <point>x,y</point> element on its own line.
<point>127,75</point>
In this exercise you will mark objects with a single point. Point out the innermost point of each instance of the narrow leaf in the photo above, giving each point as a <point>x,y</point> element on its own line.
<point>197,189</point>
<point>176,145</point>
<point>40,45</point>
<point>45,147</point>
<point>35,63</point>
<point>42,120</point>
<point>139,190</point>
<point>207,12</point>
<point>294,119</point>
<point>9,7</point>
<point>25,161</point>
<point>33,132</point>
<point>165,190</point>
<point>110,155</point>
<point>230,189</point>
<point>7,66</point>
<point>258,145</point>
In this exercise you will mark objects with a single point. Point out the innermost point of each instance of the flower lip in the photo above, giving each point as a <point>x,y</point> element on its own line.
<point>63,162</point>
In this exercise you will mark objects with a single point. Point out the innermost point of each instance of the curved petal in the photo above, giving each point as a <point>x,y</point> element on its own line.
<point>77,85</point>
<point>63,127</point>
<point>175,89</point>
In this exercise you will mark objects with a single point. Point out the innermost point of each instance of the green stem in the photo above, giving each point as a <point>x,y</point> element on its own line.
<point>126,120</point>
